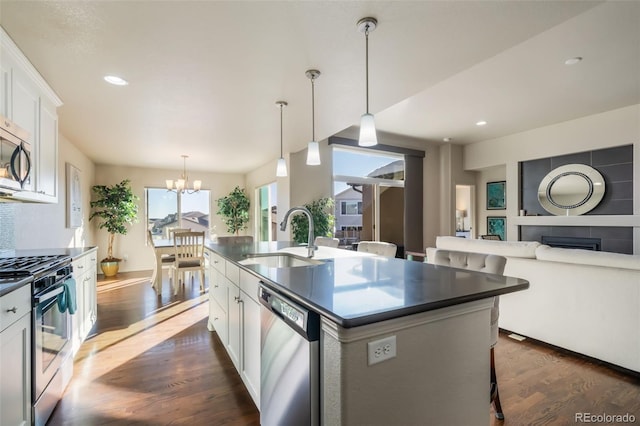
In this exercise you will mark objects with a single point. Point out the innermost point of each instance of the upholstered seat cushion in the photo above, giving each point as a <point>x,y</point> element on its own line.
<point>189,263</point>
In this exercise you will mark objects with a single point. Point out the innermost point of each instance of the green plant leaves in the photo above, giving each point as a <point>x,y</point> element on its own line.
<point>234,209</point>
<point>116,206</point>
<point>323,220</point>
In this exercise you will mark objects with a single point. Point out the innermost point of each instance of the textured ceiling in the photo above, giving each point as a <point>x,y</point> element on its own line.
<point>205,75</point>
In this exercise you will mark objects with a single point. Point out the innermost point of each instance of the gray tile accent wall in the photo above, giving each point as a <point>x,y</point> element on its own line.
<point>615,165</point>
<point>616,239</point>
<point>7,228</point>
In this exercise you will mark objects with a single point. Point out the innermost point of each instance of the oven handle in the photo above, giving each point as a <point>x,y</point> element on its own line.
<point>49,295</point>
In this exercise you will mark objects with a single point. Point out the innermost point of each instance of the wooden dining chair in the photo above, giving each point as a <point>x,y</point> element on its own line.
<point>166,260</point>
<point>189,252</point>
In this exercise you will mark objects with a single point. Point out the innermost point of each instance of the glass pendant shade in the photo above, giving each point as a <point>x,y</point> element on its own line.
<point>313,154</point>
<point>368,135</point>
<point>281,168</point>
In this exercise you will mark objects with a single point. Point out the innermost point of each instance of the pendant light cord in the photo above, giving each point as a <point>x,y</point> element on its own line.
<point>366,37</point>
<point>313,110</point>
<point>281,105</point>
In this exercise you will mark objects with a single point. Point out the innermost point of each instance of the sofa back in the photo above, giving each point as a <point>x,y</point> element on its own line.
<point>587,257</point>
<point>526,249</point>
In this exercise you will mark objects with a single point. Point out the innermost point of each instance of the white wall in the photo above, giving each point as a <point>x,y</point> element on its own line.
<point>491,174</point>
<point>44,225</point>
<point>140,257</point>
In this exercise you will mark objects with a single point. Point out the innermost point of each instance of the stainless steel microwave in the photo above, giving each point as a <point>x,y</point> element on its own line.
<point>15,158</point>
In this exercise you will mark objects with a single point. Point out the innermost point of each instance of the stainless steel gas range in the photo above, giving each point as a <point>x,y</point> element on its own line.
<point>51,361</point>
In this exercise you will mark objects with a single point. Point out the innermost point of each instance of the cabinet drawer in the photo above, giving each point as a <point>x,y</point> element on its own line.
<point>79,266</point>
<point>20,300</point>
<point>249,284</point>
<point>219,290</point>
<point>217,262</point>
<point>219,321</point>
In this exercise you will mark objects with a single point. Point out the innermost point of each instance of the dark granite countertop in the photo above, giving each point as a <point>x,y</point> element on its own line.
<point>73,252</point>
<point>7,285</point>
<point>354,290</point>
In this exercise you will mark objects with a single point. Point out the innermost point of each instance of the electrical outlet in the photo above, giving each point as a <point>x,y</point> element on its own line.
<point>125,257</point>
<point>381,350</point>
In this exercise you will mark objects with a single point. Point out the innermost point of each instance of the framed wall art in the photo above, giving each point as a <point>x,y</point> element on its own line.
<point>496,195</point>
<point>74,196</point>
<point>497,225</point>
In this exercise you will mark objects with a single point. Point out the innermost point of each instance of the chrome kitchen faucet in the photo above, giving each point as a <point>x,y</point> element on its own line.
<point>283,226</point>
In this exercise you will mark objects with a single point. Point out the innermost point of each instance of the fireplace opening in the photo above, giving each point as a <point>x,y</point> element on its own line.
<point>573,242</point>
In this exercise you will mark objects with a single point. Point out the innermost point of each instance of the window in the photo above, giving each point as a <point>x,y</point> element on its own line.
<point>369,193</point>
<point>167,209</point>
<point>267,197</point>
<point>351,207</point>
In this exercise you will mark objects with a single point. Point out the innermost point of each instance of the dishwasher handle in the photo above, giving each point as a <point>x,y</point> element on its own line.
<point>302,320</point>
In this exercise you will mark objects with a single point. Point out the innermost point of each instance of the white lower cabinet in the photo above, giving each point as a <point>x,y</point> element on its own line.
<point>15,356</point>
<point>250,365</point>
<point>218,303</point>
<point>84,273</point>
<point>235,325</point>
<point>234,313</point>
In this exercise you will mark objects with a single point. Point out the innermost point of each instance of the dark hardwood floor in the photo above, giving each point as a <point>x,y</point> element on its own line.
<point>152,361</point>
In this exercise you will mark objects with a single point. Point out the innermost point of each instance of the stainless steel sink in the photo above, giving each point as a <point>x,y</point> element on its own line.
<point>279,260</point>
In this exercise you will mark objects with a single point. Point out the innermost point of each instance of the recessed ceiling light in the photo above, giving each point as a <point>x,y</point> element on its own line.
<point>447,139</point>
<point>573,61</point>
<point>481,123</point>
<point>115,80</point>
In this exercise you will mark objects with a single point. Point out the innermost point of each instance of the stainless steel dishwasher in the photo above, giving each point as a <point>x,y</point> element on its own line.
<point>290,367</point>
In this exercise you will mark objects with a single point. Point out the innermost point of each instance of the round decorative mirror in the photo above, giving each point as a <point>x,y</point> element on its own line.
<point>571,190</point>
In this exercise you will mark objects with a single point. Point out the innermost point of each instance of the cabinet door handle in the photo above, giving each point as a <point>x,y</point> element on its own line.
<point>14,310</point>
<point>80,267</point>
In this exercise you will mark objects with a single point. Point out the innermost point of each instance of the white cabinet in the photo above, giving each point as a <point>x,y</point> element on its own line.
<point>250,364</point>
<point>47,152</point>
<point>234,320</point>
<point>15,353</point>
<point>218,298</point>
<point>84,273</point>
<point>234,313</point>
<point>27,100</point>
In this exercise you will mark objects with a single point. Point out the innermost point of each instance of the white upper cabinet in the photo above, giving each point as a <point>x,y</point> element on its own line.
<point>27,100</point>
<point>47,154</point>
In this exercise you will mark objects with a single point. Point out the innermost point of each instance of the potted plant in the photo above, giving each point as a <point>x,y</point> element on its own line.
<point>116,207</point>
<point>234,209</point>
<point>323,220</point>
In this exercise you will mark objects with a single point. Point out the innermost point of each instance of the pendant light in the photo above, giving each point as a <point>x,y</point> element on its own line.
<point>281,168</point>
<point>313,149</point>
<point>367,125</point>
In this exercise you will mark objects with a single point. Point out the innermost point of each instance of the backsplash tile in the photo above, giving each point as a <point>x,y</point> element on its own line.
<point>7,228</point>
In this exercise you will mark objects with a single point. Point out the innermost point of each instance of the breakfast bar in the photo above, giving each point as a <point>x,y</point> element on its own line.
<point>431,323</point>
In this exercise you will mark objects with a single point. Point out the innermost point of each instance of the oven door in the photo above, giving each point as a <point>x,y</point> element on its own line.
<point>52,337</point>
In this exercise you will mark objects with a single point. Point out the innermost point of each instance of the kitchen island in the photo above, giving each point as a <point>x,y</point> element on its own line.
<point>437,319</point>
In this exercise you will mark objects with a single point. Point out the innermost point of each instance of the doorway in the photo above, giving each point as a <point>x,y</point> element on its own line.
<point>465,211</point>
